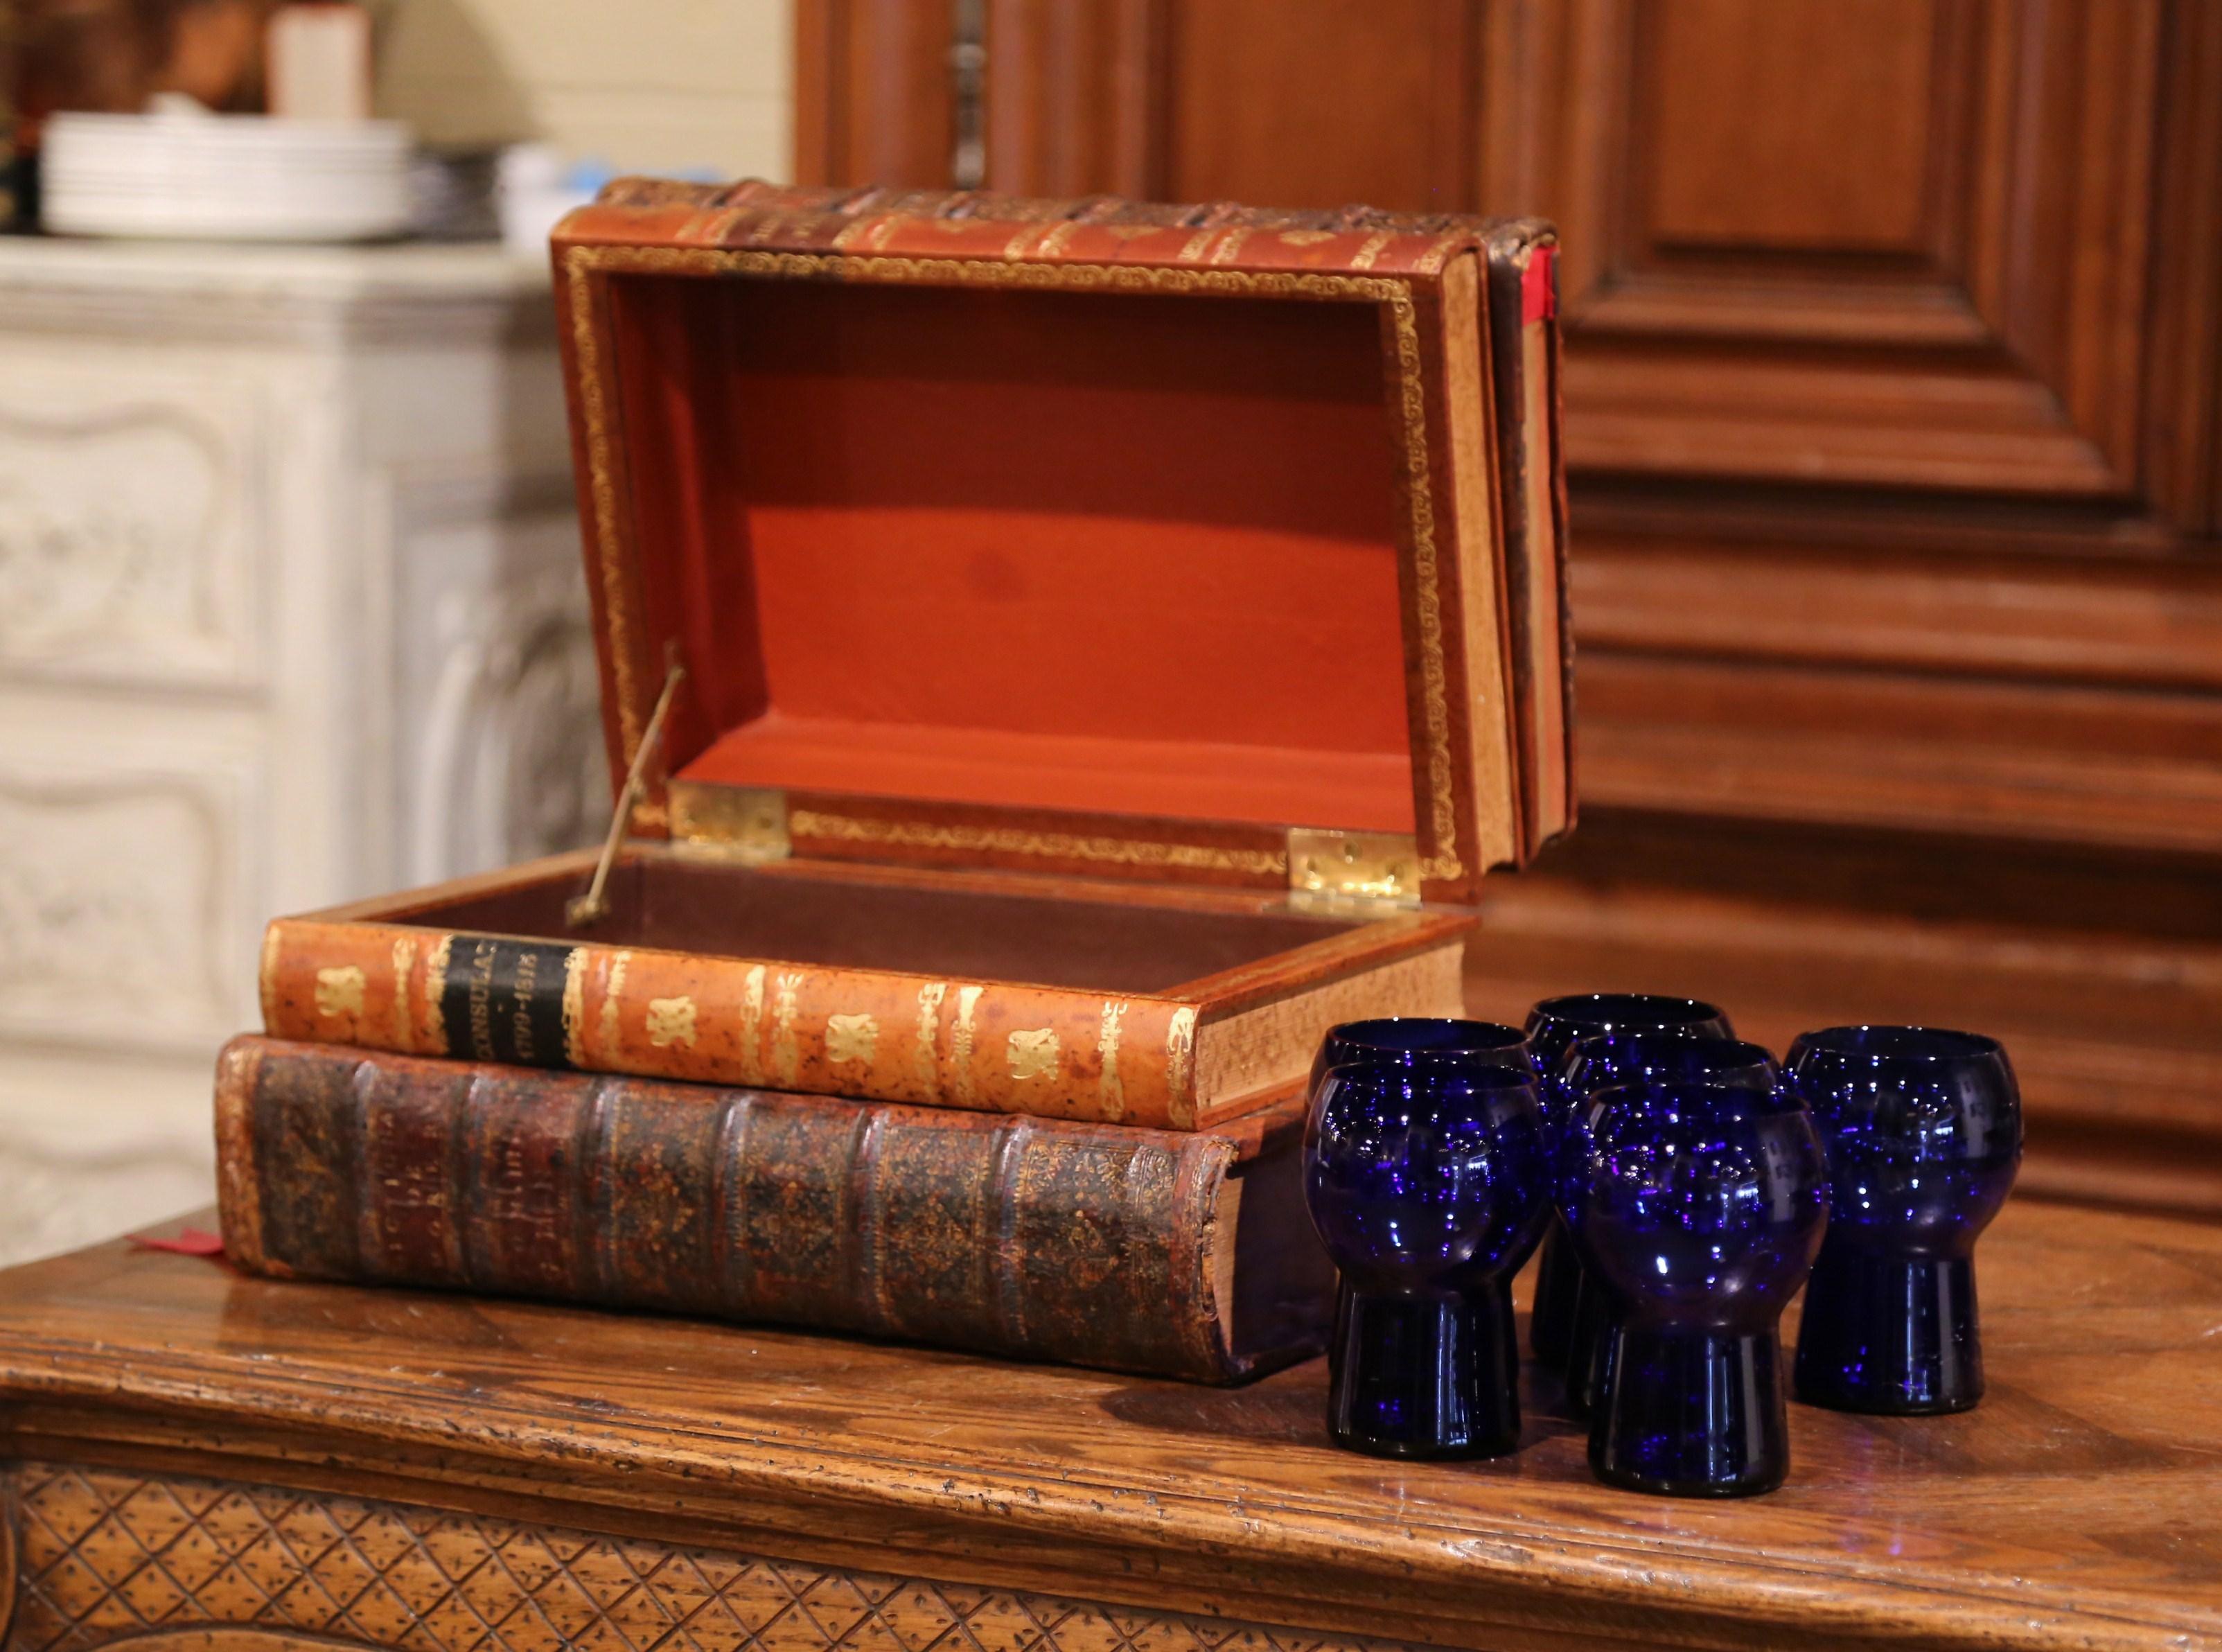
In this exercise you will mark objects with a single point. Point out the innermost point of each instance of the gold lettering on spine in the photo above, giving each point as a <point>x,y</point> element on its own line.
<point>1110,1092</point>
<point>526,982</point>
<point>1033,1054</point>
<point>484,954</point>
<point>671,1020</point>
<point>925,1071</point>
<point>404,954</point>
<point>611,1018</point>
<point>1180,1064</point>
<point>574,1006</point>
<point>753,1001</point>
<point>435,993</point>
<point>960,1046</point>
<point>851,1037</point>
<point>785,1052</point>
<point>339,992</point>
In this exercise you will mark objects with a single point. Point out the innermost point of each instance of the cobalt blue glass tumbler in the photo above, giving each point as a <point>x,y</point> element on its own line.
<point>1416,1039</point>
<point>1420,1038</point>
<point>1424,1182</point>
<point>1700,1207</point>
<point>1643,1060</point>
<point>1554,1026</point>
<point>1923,1132</point>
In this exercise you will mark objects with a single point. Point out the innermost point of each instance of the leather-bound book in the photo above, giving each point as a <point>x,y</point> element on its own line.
<point>1184,1255</point>
<point>1057,656</point>
<point>1039,1000</point>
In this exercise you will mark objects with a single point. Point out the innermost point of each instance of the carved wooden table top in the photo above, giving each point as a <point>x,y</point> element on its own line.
<point>188,1449</point>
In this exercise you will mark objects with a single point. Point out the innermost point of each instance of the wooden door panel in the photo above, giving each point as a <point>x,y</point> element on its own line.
<point>1763,201</point>
<point>873,98</point>
<point>1367,100</point>
<point>1741,113</point>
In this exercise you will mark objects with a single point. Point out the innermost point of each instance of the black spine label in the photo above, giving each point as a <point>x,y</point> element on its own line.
<point>503,1001</point>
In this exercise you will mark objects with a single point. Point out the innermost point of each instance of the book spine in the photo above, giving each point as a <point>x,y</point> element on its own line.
<point>1082,1244</point>
<point>1524,308</point>
<point>880,1035</point>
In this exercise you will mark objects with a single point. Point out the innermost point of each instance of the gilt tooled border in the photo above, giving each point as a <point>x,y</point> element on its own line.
<point>1059,846</point>
<point>581,264</point>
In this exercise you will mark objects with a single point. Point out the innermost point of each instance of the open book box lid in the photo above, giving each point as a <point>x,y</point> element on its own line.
<point>1080,536</point>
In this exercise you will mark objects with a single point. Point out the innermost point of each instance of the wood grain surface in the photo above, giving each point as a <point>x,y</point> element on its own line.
<point>2077,1507</point>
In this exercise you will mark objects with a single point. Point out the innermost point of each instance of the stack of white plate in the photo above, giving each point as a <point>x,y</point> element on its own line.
<point>224,176</point>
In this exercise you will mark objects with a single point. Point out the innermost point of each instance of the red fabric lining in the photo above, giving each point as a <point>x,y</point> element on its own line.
<point>1116,553</point>
<point>1538,293</point>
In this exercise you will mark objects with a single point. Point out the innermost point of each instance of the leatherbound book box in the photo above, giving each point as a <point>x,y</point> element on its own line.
<point>1064,653</point>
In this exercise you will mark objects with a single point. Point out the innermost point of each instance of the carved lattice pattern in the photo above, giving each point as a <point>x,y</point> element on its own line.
<point>102,1555</point>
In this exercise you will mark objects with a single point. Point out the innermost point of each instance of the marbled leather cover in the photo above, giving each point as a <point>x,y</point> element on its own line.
<point>1083,1244</point>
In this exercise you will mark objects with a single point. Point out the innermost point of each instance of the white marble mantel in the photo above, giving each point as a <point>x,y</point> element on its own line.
<point>290,611</point>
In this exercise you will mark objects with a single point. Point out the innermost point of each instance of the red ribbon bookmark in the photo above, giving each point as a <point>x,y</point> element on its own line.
<point>187,1242</point>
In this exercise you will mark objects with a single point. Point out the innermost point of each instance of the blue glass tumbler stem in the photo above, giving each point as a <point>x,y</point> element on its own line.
<point>1893,1331</point>
<point>1421,1375</point>
<point>1692,1413</point>
<point>1558,1283</point>
<point>1595,1314</point>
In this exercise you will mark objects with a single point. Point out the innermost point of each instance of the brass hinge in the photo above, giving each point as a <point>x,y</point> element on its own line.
<point>1341,869</point>
<point>747,823</point>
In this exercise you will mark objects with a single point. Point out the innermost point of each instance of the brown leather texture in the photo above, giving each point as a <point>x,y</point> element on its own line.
<point>841,985</point>
<point>1087,1244</point>
<point>1087,228</point>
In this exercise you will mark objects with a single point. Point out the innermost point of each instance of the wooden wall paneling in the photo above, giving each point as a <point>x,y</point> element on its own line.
<point>1076,96</point>
<point>2183,430</point>
<point>2100,972</point>
<point>1365,101</point>
<point>1907,244</point>
<point>1945,296</point>
<point>1738,142</point>
<point>1988,606</point>
<point>1894,416</point>
<point>2129,769</point>
<point>873,99</point>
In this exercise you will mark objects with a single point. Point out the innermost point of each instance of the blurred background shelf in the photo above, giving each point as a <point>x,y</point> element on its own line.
<point>290,611</point>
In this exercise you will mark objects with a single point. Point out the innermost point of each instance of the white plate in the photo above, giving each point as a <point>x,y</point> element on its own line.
<point>225,178</point>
